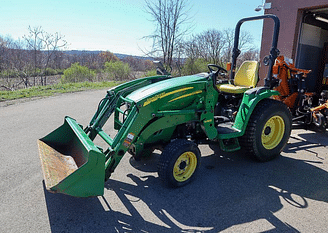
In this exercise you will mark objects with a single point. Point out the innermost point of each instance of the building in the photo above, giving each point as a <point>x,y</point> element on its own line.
<point>303,37</point>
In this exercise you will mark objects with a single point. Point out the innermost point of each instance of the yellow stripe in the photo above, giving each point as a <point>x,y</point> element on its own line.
<point>162,95</point>
<point>183,96</point>
<point>176,91</point>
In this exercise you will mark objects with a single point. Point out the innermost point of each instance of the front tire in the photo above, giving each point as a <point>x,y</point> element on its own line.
<point>268,130</point>
<point>179,163</point>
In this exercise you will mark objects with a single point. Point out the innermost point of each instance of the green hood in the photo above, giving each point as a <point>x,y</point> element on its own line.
<point>175,91</point>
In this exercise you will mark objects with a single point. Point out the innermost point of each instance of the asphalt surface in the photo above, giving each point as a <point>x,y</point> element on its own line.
<point>231,193</point>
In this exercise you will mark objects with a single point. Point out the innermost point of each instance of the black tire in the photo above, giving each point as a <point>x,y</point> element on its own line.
<point>268,130</point>
<point>179,163</point>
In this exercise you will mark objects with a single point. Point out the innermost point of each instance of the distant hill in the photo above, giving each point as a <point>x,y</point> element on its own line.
<point>118,55</point>
<point>79,52</point>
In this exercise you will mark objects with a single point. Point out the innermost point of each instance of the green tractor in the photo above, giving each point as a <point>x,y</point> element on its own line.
<point>173,115</point>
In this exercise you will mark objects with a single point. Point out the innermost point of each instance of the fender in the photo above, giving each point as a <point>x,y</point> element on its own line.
<point>250,99</point>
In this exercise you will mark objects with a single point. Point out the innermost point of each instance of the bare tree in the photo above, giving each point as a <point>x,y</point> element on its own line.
<point>58,60</point>
<point>15,68</point>
<point>137,64</point>
<point>4,54</point>
<point>3,49</point>
<point>19,60</point>
<point>190,49</point>
<point>43,45</point>
<point>215,46</point>
<point>245,41</point>
<point>210,45</point>
<point>251,55</point>
<point>35,45</point>
<point>52,43</point>
<point>169,17</point>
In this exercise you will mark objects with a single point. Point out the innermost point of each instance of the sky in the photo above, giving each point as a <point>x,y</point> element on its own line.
<point>118,26</point>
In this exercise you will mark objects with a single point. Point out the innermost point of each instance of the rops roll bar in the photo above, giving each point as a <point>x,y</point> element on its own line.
<point>274,52</point>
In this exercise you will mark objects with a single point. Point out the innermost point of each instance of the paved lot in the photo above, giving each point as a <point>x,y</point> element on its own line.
<point>231,192</point>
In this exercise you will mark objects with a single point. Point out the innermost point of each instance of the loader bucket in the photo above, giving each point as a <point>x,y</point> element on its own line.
<point>71,162</point>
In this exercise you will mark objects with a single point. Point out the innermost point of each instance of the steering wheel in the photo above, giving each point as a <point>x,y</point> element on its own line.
<point>216,70</point>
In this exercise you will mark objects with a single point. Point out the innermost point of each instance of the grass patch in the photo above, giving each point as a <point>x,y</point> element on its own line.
<point>54,89</point>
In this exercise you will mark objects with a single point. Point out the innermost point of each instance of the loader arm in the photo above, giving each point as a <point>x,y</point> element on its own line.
<point>108,104</point>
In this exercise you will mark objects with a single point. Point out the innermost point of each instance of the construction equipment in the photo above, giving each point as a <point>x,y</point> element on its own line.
<point>173,115</point>
<point>292,87</point>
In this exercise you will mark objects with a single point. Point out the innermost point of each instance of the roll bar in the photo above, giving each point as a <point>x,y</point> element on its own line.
<point>274,52</point>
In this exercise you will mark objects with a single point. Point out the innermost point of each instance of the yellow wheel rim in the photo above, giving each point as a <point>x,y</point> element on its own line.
<point>185,166</point>
<point>273,132</point>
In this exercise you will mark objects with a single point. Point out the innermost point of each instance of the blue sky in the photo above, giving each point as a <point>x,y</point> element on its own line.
<point>116,25</point>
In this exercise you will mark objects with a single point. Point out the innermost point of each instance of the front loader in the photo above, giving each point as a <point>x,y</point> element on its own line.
<point>173,115</point>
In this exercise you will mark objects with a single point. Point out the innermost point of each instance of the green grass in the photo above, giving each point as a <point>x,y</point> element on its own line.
<point>53,89</point>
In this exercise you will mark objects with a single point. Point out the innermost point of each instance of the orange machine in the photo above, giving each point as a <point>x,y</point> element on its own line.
<point>293,93</point>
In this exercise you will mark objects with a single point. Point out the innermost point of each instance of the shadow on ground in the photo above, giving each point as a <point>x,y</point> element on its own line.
<point>230,189</point>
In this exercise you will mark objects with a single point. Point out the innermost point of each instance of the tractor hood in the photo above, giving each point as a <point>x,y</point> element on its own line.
<point>180,91</point>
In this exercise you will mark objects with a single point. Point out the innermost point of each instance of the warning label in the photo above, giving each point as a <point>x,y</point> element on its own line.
<point>128,140</point>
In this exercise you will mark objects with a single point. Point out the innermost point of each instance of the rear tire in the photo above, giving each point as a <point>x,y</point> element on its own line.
<point>268,130</point>
<point>179,163</point>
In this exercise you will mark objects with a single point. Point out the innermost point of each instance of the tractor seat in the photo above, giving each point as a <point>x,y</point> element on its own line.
<point>245,78</point>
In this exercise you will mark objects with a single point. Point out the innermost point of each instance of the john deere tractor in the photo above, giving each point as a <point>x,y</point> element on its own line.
<point>173,114</point>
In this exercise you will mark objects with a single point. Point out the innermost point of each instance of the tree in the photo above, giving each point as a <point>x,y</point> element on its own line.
<point>117,70</point>
<point>58,60</point>
<point>78,73</point>
<point>14,63</point>
<point>3,50</point>
<point>138,64</point>
<point>194,66</point>
<point>108,56</point>
<point>250,55</point>
<point>44,45</point>
<point>245,39</point>
<point>215,46</point>
<point>204,48</point>
<point>209,45</point>
<point>169,17</point>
